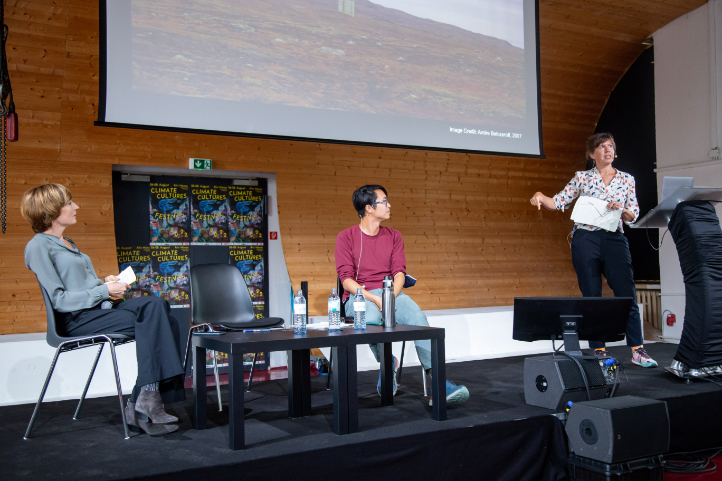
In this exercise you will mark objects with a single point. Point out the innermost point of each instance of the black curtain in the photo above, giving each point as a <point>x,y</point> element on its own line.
<point>629,117</point>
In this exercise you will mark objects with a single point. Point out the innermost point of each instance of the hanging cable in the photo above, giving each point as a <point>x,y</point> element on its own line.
<point>3,177</point>
<point>646,229</point>
<point>9,118</point>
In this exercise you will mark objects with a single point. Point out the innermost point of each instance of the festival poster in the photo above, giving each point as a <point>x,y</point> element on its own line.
<point>140,260</point>
<point>169,214</point>
<point>170,274</point>
<point>209,214</point>
<point>249,260</point>
<point>245,215</point>
<point>258,311</point>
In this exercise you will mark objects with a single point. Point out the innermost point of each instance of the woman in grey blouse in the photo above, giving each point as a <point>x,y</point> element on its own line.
<point>76,293</point>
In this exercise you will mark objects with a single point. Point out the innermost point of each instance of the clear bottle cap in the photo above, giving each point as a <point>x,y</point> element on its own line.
<point>299,293</point>
<point>358,291</point>
<point>334,292</point>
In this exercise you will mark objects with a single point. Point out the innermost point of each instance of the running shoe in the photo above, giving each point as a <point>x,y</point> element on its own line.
<point>393,366</point>
<point>641,358</point>
<point>454,394</point>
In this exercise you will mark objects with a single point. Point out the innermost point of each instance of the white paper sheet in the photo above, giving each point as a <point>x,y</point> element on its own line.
<point>592,211</point>
<point>127,276</point>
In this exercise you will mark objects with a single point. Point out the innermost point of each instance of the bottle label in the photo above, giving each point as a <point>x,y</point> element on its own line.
<point>334,306</point>
<point>359,306</point>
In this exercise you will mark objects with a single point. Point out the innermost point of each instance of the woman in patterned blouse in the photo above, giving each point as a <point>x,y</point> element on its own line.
<point>596,251</point>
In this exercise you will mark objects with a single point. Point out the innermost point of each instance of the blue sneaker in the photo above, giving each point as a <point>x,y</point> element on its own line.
<point>454,394</point>
<point>393,366</point>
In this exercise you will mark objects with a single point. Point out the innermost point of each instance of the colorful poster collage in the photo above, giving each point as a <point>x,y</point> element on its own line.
<point>161,271</point>
<point>207,215</point>
<point>200,214</point>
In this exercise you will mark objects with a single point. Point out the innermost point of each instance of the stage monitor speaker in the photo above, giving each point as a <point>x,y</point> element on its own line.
<point>609,430</point>
<point>552,381</point>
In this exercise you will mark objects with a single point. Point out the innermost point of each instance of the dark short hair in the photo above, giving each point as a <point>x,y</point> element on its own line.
<point>595,141</point>
<point>364,196</point>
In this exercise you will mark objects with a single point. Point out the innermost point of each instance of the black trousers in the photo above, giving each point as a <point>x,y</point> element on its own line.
<point>157,340</point>
<point>597,252</point>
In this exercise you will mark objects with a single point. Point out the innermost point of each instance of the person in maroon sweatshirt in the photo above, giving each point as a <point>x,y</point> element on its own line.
<point>367,252</point>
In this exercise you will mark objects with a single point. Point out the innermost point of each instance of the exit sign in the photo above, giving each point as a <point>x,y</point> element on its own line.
<point>200,164</point>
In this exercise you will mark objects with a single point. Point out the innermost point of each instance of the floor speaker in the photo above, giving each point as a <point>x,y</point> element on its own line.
<point>618,429</point>
<point>552,381</point>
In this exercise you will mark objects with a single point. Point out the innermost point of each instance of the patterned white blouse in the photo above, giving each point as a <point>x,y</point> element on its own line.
<point>589,182</point>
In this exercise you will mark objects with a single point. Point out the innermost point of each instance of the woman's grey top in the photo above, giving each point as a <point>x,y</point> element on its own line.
<point>66,274</point>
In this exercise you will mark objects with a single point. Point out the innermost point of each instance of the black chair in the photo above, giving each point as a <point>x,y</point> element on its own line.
<point>63,343</point>
<point>220,301</point>
<point>342,311</point>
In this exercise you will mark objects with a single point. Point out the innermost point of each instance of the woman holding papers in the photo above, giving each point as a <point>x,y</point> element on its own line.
<point>78,297</point>
<point>599,246</point>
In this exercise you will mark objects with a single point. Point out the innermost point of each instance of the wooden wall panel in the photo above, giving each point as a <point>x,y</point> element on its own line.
<point>472,239</point>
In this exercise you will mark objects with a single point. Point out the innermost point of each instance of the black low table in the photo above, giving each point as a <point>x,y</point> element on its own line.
<point>345,394</point>
<point>346,356</point>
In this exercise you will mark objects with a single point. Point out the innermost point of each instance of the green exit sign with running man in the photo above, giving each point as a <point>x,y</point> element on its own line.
<point>200,164</point>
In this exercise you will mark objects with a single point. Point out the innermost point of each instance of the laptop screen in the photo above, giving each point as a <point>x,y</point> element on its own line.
<point>670,184</point>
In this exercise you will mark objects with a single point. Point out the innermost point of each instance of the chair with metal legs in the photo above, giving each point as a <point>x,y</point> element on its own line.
<point>63,343</point>
<point>220,301</point>
<point>197,328</point>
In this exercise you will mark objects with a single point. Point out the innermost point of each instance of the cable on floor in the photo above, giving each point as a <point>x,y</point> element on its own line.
<point>695,462</point>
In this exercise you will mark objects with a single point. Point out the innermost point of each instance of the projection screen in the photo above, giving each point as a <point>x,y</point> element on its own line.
<point>449,75</point>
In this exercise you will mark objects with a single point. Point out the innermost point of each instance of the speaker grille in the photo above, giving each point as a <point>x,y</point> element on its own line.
<point>572,378</point>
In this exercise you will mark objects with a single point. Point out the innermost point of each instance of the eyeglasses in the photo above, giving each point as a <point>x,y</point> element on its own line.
<point>381,202</point>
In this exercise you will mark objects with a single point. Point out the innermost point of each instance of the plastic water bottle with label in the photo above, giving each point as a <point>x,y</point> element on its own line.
<point>359,311</point>
<point>334,311</point>
<point>299,313</point>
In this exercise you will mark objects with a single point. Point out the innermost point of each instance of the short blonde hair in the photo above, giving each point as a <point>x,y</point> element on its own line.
<point>42,205</point>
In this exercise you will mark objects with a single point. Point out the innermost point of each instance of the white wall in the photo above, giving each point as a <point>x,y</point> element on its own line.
<point>688,92</point>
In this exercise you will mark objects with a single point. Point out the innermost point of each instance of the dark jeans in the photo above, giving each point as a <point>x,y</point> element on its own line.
<point>157,340</point>
<point>594,253</point>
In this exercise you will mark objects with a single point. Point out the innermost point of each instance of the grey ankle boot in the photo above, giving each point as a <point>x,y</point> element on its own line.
<point>149,408</point>
<point>135,425</point>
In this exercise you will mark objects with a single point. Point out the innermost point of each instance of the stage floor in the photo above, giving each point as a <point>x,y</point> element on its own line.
<point>495,432</point>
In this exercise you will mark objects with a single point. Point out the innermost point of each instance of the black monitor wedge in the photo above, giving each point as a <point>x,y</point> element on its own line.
<point>591,318</point>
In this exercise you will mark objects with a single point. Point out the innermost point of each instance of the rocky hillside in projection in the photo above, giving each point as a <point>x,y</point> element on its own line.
<point>306,53</point>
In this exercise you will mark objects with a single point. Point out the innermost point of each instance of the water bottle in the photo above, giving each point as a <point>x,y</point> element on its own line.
<point>334,311</point>
<point>299,313</point>
<point>359,311</point>
<point>388,303</point>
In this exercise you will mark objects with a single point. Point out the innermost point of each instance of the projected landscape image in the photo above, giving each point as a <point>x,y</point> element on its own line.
<point>347,55</point>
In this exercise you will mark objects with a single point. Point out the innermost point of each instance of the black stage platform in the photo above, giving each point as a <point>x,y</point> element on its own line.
<point>492,436</point>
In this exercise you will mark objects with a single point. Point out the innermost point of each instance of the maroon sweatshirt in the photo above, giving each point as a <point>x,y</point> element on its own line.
<point>380,255</point>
